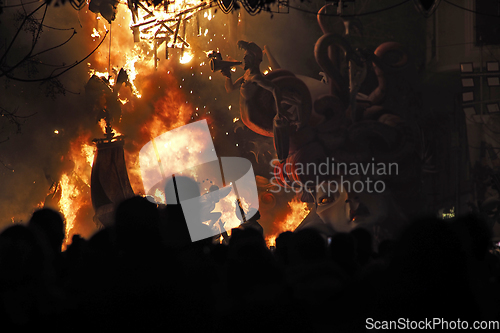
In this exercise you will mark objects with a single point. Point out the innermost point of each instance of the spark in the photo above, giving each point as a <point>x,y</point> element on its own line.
<point>186,57</point>
<point>95,34</point>
<point>208,15</point>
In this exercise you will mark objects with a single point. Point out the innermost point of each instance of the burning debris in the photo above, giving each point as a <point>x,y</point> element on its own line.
<point>298,212</point>
<point>116,108</point>
<point>148,96</point>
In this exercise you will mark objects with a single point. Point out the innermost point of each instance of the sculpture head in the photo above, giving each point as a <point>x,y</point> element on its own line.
<point>352,205</point>
<point>361,175</point>
<point>253,54</point>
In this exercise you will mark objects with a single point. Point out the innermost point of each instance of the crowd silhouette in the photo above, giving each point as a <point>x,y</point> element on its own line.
<point>144,273</point>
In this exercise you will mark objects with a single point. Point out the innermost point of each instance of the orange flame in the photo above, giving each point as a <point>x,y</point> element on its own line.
<point>298,212</point>
<point>75,184</point>
<point>144,118</point>
<point>146,111</point>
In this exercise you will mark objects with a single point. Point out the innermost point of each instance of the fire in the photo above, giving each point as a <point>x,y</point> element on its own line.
<point>227,206</point>
<point>102,125</point>
<point>147,110</point>
<point>208,15</point>
<point>69,194</point>
<point>131,70</point>
<point>186,57</point>
<point>166,26</point>
<point>95,33</point>
<point>298,212</point>
<point>88,151</point>
<point>75,183</point>
<point>159,196</point>
<point>101,75</point>
<point>177,155</point>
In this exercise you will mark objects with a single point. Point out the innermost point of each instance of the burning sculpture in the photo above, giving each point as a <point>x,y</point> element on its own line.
<point>357,130</point>
<point>343,126</point>
<point>110,184</point>
<point>270,104</point>
<point>278,104</point>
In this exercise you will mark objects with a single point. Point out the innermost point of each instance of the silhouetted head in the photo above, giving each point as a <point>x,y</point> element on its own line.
<point>50,225</point>
<point>244,239</point>
<point>283,239</point>
<point>282,246</point>
<point>21,255</point>
<point>430,247</point>
<point>430,267</point>
<point>306,246</point>
<point>137,224</point>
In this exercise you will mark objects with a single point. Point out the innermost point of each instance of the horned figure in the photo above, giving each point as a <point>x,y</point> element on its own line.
<point>272,105</point>
<point>356,130</point>
<point>341,126</point>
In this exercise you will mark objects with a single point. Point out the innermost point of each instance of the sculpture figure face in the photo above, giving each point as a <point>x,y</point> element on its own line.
<point>249,60</point>
<point>345,208</point>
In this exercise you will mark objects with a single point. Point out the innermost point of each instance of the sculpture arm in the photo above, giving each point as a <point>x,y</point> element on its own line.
<point>229,85</point>
<point>270,86</point>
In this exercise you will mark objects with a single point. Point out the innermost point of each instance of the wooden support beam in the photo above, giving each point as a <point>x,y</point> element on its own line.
<point>177,30</point>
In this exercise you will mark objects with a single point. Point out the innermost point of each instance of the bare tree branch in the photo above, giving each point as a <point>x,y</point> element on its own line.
<point>13,118</point>
<point>5,165</point>
<point>55,47</point>
<point>52,75</point>
<point>20,4</point>
<point>18,31</point>
<point>36,37</point>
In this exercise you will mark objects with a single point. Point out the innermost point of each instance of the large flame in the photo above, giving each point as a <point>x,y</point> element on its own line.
<point>74,185</point>
<point>151,102</point>
<point>298,212</point>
